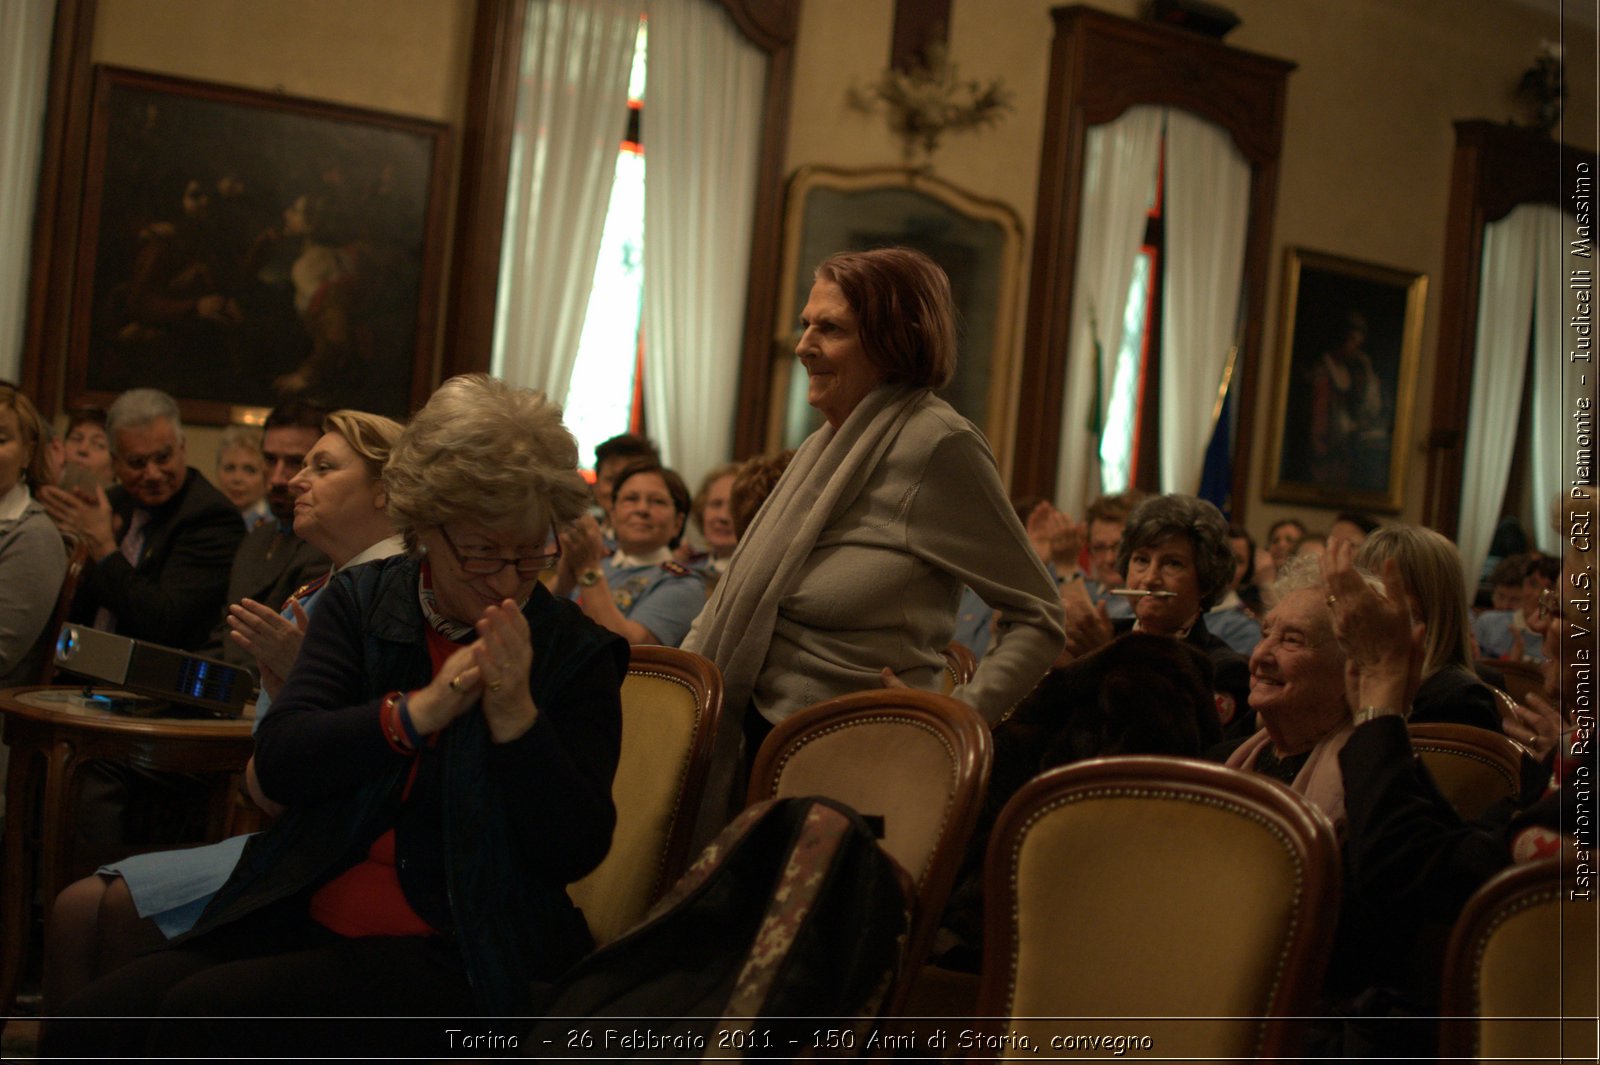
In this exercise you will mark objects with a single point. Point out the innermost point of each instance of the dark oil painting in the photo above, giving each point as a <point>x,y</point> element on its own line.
<point>242,248</point>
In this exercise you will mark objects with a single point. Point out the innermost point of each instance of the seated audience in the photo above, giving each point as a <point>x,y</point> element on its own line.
<point>1430,568</point>
<point>712,515</point>
<point>160,546</point>
<point>756,479</point>
<point>161,543</point>
<point>33,560</point>
<point>1297,690</point>
<point>1177,547</point>
<point>1410,861</point>
<point>1282,535</point>
<point>611,457</point>
<point>1506,632</point>
<point>1313,544</point>
<point>242,473</point>
<point>638,591</point>
<point>1232,620</point>
<point>443,750</point>
<point>1353,527</point>
<point>274,559</point>
<point>104,920</point>
<point>1105,519</point>
<point>1056,539</point>
<point>87,450</point>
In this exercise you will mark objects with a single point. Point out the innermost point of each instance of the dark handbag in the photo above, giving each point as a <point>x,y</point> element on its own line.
<point>791,921</point>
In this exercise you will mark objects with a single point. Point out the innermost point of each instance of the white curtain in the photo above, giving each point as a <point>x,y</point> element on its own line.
<point>1520,271</point>
<point>702,138</point>
<point>570,120</point>
<point>25,30</point>
<point>1548,414</point>
<point>1119,168</point>
<point>1206,211</point>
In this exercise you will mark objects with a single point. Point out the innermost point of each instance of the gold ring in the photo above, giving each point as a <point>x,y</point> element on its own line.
<point>1332,599</point>
<point>456,685</point>
<point>494,686</point>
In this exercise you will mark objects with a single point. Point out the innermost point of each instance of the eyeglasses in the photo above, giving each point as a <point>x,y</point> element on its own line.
<point>485,566</point>
<point>139,462</point>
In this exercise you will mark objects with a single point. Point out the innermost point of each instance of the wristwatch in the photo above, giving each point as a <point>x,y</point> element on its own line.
<point>589,578</point>
<point>1367,713</point>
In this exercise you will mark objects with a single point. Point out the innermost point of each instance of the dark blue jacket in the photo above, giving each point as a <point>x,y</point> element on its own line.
<point>503,827</point>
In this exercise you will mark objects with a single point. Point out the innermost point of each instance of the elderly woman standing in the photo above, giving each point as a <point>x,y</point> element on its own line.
<point>443,748</point>
<point>851,572</point>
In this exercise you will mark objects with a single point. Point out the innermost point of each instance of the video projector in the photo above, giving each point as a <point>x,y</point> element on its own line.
<point>149,669</point>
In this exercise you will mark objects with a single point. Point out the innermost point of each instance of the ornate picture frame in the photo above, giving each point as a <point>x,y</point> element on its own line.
<point>977,241</point>
<point>1350,343</point>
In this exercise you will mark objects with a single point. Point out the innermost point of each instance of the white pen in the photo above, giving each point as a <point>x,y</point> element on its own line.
<point>1134,593</point>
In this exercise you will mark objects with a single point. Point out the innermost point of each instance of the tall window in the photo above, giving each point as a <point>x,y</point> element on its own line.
<point>1127,440</point>
<point>1130,440</point>
<point>602,399</point>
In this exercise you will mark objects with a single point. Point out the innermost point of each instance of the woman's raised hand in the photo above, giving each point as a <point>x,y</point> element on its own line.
<point>1381,641</point>
<point>272,639</point>
<point>451,692</point>
<point>504,655</point>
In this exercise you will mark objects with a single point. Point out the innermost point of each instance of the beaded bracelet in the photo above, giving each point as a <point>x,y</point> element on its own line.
<point>403,712</point>
<point>393,728</point>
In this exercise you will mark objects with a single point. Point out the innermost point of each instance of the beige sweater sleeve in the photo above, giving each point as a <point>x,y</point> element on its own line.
<point>962,522</point>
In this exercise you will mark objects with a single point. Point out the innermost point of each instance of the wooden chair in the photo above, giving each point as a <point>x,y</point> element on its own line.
<point>1474,768</point>
<point>1519,977</point>
<point>78,555</point>
<point>671,702</point>
<point>1521,677</point>
<point>1194,900</point>
<point>917,759</point>
<point>959,666</point>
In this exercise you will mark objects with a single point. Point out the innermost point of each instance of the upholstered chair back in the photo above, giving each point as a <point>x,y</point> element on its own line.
<point>916,760</point>
<point>1196,901</point>
<point>1519,980</point>
<point>671,700</point>
<point>1474,768</point>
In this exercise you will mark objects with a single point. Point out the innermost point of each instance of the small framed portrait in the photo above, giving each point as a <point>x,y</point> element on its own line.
<point>1350,339</point>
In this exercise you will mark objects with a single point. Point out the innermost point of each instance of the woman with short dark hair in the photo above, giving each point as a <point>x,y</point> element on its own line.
<point>1176,562</point>
<point>639,591</point>
<point>849,576</point>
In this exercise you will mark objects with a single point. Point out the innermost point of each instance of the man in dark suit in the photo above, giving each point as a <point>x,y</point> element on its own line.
<point>160,546</point>
<point>273,562</point>
<point>161,542</point>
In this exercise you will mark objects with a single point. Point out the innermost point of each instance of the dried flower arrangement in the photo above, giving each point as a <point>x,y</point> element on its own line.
<point>929,100</point>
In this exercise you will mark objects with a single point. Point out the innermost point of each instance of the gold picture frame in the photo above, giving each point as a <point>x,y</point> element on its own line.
<point>977,241</point>
<point>1350,343</point>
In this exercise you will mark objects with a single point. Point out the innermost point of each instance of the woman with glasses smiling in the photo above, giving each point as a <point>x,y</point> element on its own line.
<point>640,592</point>
<point>443,749</point>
